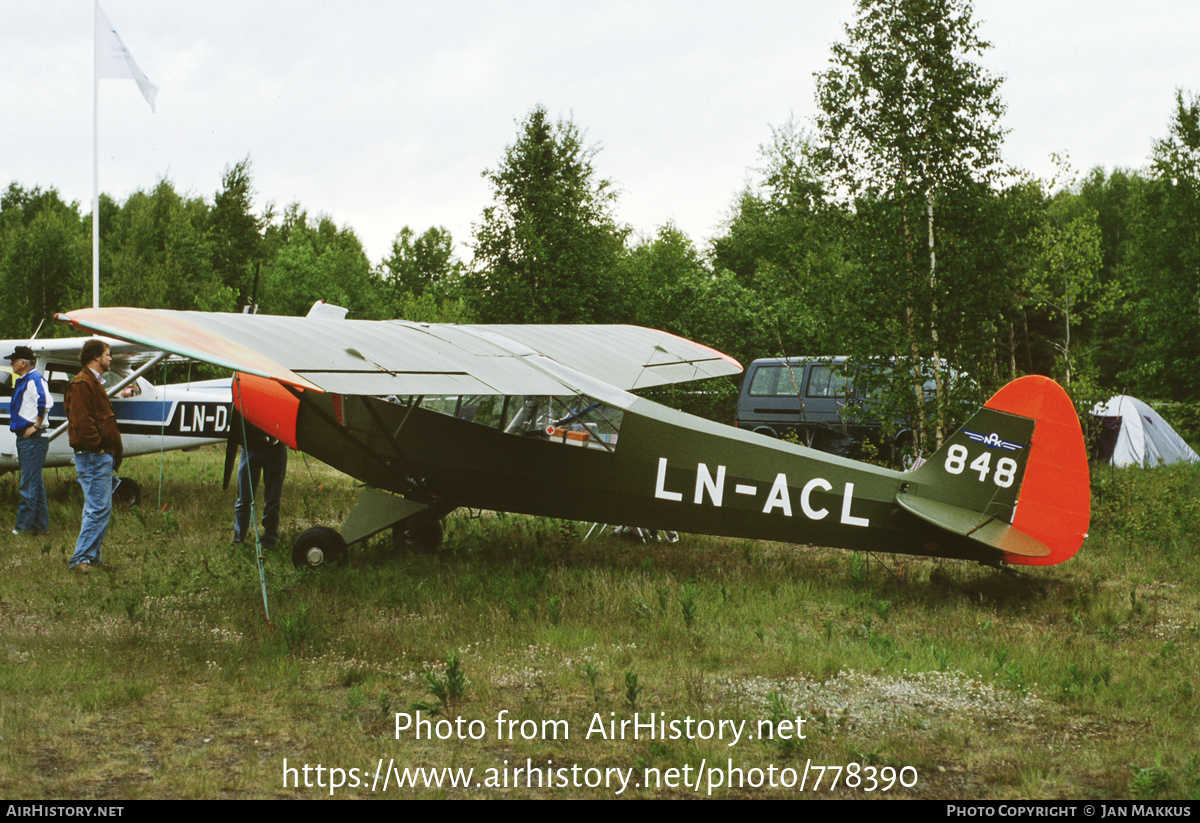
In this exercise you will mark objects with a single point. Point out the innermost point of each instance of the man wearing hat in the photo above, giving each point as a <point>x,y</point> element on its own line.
<point>27,419</point>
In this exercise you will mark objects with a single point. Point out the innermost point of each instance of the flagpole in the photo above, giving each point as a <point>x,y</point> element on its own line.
<point>118,63</point>
<point>96,156</point>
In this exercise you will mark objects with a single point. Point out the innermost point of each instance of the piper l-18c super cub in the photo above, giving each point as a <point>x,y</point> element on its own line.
<point>539,420</point>
<point>151,418</point>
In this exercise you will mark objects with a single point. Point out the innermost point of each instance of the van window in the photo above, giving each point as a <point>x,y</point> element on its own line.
<point>776,381</point>
<point>828,381</point>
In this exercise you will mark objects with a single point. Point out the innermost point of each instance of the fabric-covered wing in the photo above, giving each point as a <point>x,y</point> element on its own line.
<point>381,358</point>
<point>628,357</point>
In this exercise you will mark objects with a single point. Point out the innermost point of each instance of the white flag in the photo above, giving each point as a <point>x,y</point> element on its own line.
<point>114,60</point>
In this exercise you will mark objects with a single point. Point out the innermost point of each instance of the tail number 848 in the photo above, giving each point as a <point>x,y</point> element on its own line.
<point>1006,467</point>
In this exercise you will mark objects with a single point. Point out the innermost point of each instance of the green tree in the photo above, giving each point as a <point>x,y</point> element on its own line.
<point>545,250</point>
<point>1164,261</point>
<point>1115,198</point>
<point>235,231</point>
<point>785,240</point>
<point>308,263</point>
<point>654,272</point>
<point>156,253</point>
<point>425,263</point>
<point>44,259</point>
<point>668,287</point>
<point>909,117</point>
<point>430,309</point>
<point>1065,277</point>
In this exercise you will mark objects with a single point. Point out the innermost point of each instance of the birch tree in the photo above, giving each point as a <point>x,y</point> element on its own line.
<point>907,113</point>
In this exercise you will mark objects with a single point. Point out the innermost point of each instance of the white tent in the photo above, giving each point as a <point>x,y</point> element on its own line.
<point>1133,434</point>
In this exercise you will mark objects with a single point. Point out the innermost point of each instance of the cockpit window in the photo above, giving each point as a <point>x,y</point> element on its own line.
<point>112,378</point>
<point>58,376</point>
<point>571,420</point>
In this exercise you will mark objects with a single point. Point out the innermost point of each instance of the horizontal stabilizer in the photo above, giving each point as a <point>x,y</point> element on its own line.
<point>990,531</point>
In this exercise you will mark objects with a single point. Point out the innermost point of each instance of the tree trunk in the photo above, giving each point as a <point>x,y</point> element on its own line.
<point>933,327</point>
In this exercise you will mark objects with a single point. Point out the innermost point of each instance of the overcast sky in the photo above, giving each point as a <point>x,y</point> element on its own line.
<point>383,113</point>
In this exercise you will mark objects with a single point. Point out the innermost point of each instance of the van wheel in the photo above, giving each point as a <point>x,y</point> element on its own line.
<point>763,430</point>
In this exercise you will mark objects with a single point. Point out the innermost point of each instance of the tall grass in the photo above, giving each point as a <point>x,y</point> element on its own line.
<point>165,680</point>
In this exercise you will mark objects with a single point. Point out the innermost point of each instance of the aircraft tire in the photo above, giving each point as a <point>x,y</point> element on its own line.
<point>128,492</point>
<point>317,547</point>
<point>420,532</point>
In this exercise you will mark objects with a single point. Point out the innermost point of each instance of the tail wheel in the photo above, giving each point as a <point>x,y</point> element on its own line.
<point>317,547</point>
<point>127,492</point>
<point>419,532</point>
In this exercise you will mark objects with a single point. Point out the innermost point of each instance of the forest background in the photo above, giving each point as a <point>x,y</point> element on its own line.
<point>890,227</point>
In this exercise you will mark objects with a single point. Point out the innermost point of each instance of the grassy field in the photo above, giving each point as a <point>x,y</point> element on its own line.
<point>519,648</point>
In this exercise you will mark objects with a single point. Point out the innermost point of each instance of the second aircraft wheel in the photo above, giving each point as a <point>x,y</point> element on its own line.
<point>420,532</point>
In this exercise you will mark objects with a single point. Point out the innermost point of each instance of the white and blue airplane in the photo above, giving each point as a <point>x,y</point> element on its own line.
<point>152,418</point>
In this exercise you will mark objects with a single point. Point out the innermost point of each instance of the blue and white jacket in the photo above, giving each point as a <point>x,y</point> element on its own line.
<point>29,401</point>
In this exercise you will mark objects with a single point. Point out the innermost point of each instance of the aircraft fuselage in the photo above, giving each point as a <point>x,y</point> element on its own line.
<point>667,470</point>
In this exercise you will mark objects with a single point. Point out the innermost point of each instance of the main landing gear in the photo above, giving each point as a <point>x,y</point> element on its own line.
<point>127,492</point>
<point>419,530</point>
<point>317,547</point>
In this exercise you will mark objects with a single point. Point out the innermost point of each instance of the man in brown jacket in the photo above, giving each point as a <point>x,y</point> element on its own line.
<point>92,431</point>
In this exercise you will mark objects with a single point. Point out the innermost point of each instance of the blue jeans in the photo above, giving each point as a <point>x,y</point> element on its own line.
<point>270,464</point>
<point>96,476</point>
<point>34,512</point>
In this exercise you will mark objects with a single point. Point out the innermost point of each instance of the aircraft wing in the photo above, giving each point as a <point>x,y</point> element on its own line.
<point>125,354</point>
<point>398,357</point>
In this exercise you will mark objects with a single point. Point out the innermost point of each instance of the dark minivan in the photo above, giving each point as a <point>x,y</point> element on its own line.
<point>815,398</point>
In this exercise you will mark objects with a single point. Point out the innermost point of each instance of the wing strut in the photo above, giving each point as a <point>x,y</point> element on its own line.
<point>383,428</point>
<point>412,404</point>
<point>330,421</point>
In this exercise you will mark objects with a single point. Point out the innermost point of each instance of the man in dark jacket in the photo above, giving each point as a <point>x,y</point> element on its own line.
<point>93,434</point>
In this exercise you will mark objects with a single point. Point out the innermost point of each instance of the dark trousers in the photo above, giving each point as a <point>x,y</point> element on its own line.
<point>271,465</point>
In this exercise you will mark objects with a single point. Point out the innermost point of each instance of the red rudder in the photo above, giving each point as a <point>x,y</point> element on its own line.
<point>1055,501</point>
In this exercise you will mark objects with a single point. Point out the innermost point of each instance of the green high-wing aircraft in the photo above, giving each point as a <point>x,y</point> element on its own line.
<point>539,420</point>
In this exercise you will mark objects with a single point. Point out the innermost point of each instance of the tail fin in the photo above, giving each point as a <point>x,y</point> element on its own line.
<point>1015,477</point>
